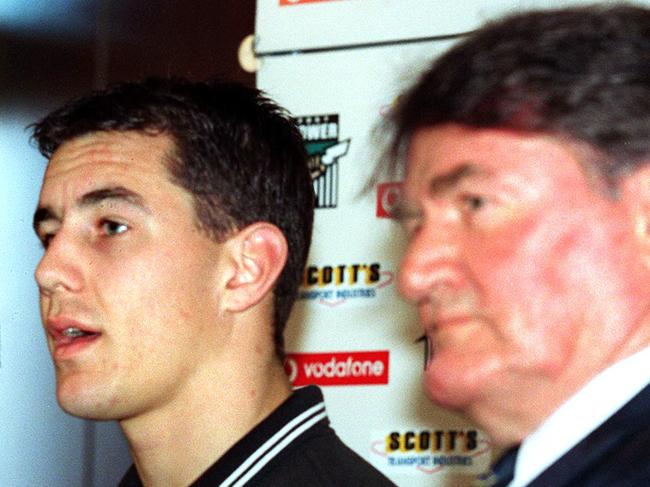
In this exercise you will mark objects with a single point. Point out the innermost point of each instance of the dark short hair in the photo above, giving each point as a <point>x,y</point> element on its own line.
<point>580,73</point>
<point>239,154</point>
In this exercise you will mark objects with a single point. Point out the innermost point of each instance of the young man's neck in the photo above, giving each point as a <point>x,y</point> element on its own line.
<point>174,444</point>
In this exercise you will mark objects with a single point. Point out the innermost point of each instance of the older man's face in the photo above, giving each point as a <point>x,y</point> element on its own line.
<point>525,275</point>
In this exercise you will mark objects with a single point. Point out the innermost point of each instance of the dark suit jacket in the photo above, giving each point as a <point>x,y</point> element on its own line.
<point>617,454</point>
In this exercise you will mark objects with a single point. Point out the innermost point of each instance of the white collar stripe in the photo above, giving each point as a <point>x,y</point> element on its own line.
<point>298,424</point>
<point>278,448</point>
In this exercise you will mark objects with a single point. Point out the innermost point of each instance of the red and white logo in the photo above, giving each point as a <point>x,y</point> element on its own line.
<point>338,368</point>
<point>284,3</point>
<point>388,197</point>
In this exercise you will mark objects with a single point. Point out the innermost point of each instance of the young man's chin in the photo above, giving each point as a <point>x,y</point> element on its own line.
<point>84,404</point>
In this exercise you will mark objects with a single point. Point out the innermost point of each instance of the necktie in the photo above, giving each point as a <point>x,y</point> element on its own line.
<point>504,469</point>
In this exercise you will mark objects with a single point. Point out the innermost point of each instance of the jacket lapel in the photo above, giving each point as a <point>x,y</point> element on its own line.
<point>597,455</point>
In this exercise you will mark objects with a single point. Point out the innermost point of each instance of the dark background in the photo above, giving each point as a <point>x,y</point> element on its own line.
<point>52,50</point>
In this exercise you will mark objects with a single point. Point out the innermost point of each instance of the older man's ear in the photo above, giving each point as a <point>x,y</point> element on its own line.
<point>635,193</point>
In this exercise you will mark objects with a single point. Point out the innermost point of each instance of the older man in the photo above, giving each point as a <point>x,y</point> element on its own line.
<point>526,159</point>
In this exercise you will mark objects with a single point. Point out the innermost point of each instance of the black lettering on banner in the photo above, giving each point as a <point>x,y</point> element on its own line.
<point>311,276</point>
<point>342,274</point>
<point>355,273</point>
<point>326,275</point>
<point>409,443</point>
<point>438,435</point>
<point>435,441</point>
<point>424,441</point>
<point>472,440</point>
<point>373,275</point>
<point>452,440</point>
<point>393,441</point>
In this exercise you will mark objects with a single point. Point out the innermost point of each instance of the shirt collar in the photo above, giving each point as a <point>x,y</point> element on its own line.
<point>302,410</point>
<point>599,399</point>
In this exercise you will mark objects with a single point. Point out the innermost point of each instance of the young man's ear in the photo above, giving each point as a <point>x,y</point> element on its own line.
<point>257,255</point>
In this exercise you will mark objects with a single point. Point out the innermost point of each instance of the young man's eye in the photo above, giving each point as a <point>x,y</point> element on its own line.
<point>110,227</point>
<point>46,239</point>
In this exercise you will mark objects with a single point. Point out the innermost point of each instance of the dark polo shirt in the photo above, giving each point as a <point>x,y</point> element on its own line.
<point>294,445</point>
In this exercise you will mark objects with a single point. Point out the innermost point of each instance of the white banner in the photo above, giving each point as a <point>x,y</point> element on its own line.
<point>350,332</point>
<point>329,63</point>
<point>285,25</point>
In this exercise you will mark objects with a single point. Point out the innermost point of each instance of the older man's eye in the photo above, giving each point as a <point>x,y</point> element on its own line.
<point>474,202</point>
<point>111,228</point>
<point>411,226</point>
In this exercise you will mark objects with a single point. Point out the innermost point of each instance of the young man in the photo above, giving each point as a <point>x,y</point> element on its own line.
<point>176,219</point>
<point>526,154</point>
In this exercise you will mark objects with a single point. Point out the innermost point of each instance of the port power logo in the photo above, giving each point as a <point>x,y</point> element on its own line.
<point>321,134</point>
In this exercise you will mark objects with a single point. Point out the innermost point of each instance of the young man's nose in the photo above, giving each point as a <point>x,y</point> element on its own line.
<point>60,266</point>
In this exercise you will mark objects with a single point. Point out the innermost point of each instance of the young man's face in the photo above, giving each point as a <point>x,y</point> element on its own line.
<point>524,274</point>
<point>127,281</point>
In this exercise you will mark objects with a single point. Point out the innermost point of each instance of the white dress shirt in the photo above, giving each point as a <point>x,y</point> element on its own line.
<point>590,407</point>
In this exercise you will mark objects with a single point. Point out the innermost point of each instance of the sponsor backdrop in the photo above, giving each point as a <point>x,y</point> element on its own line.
<point>338,65</point>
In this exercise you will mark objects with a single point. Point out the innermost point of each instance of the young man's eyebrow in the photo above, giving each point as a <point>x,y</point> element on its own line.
<point>93,198</point>
<point>98,196</point>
